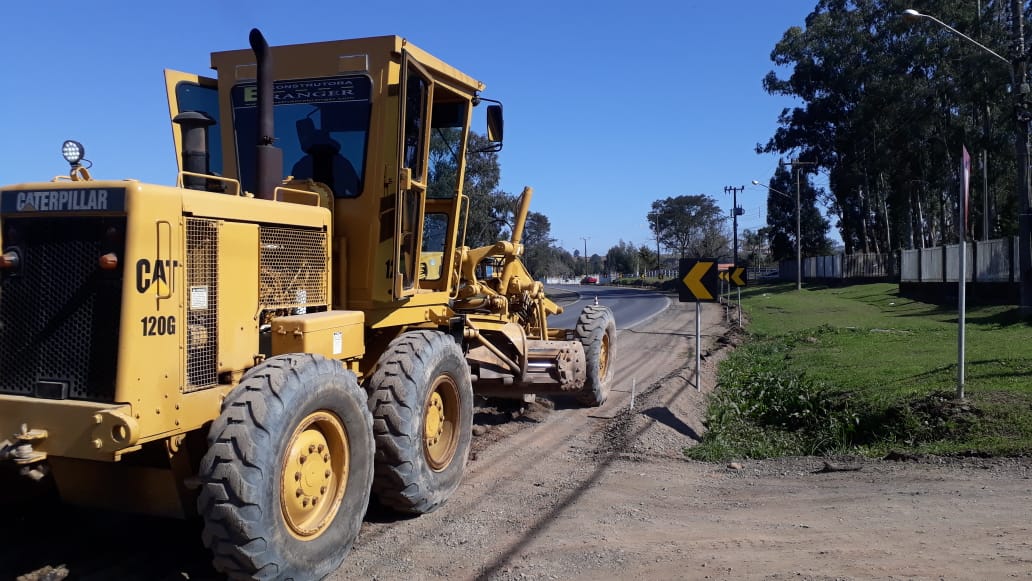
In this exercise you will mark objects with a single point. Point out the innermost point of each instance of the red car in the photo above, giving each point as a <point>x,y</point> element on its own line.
<point>589,280</point>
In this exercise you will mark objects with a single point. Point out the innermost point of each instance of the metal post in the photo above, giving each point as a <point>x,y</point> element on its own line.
<point>799,234</point>
<point>962,288</point>
<point>739,307</point>
<point>698,344</point>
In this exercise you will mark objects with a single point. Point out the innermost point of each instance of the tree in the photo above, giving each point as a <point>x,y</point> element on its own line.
<point>623,258</point>
<point>649,259</point>
<point>754,246</point>
<point>781,218</point>
<point>887,107</point>
<point>489,209</point>
<point>686,222</point>
<point>539,253</point>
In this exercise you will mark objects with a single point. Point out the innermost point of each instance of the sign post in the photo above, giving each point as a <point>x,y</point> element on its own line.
<point>962,260</point>
<point>698,282</point>
<point>738,278</point>
<point>735,277</point>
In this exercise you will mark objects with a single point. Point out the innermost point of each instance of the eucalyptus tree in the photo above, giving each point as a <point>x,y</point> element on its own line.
<point>886,108</point>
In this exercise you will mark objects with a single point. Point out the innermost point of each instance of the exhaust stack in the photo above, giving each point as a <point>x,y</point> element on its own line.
<point>269,158</point>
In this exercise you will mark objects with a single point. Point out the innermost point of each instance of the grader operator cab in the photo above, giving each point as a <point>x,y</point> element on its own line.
<point>295,326</point>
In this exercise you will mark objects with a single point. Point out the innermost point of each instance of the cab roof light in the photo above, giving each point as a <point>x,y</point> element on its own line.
<point>73,152</point>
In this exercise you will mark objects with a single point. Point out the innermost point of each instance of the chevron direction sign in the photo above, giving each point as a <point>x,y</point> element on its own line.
<point>698,281</point>
<point>735,275</point>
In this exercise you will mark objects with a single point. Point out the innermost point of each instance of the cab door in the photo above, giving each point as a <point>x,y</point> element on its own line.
<point>417,89</point>
<point>189,92</point>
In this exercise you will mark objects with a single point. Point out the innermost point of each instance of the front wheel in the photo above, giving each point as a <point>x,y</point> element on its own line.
<point>421,397</point>
<point>286,480</point>
<point>596,330</point>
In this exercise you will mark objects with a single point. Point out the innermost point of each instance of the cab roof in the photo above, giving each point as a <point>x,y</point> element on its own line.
<point>310,59</point>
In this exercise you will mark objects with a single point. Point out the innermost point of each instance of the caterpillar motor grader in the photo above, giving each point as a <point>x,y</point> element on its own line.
<point>295,326</point>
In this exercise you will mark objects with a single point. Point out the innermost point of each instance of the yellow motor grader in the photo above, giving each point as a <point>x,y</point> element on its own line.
<point>295,326</point>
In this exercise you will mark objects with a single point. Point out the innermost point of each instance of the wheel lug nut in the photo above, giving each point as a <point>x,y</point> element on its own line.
<point>327,473</point>
<point>326,458</point>
<point>304,502</point>
<point>321,447</point>
<point>300,492</point>
<point>314,500</point>
<point>302,459</point>
<point>322,490</point>
<point>311,448</point>
<point>297,476</point>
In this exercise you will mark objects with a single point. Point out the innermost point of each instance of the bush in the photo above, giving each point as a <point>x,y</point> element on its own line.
<point>759,400</point>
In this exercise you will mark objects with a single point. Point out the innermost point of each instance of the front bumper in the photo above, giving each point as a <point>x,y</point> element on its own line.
<point>68,428</point>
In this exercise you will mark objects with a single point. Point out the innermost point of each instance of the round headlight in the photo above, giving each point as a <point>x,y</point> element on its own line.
<point>73,151</point>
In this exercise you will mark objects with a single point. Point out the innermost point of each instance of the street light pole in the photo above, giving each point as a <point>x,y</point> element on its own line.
<point>798,232</point>
<point>585,239</point>
<point>796,164</point>
<point>1019,79</point>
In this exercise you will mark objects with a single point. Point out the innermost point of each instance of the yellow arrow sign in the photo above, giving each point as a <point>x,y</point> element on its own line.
<point>693,280</point>
<point>736,276</point>
<point>722,275</point>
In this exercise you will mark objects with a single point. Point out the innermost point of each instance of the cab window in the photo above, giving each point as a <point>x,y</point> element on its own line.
<point>322,126</point>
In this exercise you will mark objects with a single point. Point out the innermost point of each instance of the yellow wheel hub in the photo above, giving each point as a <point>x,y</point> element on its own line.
<point>315,474</point>
<point>603,357</point>
<point>440,423</point>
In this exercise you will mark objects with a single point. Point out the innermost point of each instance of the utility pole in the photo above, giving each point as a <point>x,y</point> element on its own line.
<point>585,239</point>
<point>1023,113</point>
<point>798,167</point>
<point>736,211</point>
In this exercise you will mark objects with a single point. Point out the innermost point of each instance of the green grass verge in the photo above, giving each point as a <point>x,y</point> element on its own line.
<point>861,370</point>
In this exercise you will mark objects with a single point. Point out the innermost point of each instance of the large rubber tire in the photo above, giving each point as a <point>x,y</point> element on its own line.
<point>421,397</point>
<point>296,431</point>
<point>596,330</point>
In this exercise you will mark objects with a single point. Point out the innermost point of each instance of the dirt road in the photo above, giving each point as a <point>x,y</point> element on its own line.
<point>570,493</point>
<point>563,492</point>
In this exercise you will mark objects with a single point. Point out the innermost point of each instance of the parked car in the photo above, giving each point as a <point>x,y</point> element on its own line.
<point>589,280</point>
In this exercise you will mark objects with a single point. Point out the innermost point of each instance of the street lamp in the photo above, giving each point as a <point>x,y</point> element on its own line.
<point>798,233</point>
<point>1019,80</point>
<point>910,15</point>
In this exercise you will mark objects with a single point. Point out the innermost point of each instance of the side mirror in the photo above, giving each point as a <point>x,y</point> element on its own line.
<point>495,123</point>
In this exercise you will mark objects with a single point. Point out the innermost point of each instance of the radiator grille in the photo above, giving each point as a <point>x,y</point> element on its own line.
<point>202,246</point>
<point>293,269</point>
<point>59,312</point>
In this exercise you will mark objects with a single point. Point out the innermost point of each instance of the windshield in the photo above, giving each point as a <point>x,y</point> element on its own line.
<point>320,124</point>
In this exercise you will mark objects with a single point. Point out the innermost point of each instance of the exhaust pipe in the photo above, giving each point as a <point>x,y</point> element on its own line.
<point>268,158</point>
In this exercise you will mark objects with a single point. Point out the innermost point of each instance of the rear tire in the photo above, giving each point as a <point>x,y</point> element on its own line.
<point>287,476</point>
<point>596,330</point>
<point>421,397</point>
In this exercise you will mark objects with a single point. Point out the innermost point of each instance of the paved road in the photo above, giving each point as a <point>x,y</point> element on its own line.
<point>630,306</point>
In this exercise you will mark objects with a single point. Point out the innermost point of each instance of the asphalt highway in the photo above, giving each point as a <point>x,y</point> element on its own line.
<point>630,306</point>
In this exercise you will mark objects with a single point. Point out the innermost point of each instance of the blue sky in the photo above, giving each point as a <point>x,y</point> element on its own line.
<point>609,105</point>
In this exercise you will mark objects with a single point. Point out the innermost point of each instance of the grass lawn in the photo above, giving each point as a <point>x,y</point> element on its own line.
<point>860,369</point>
